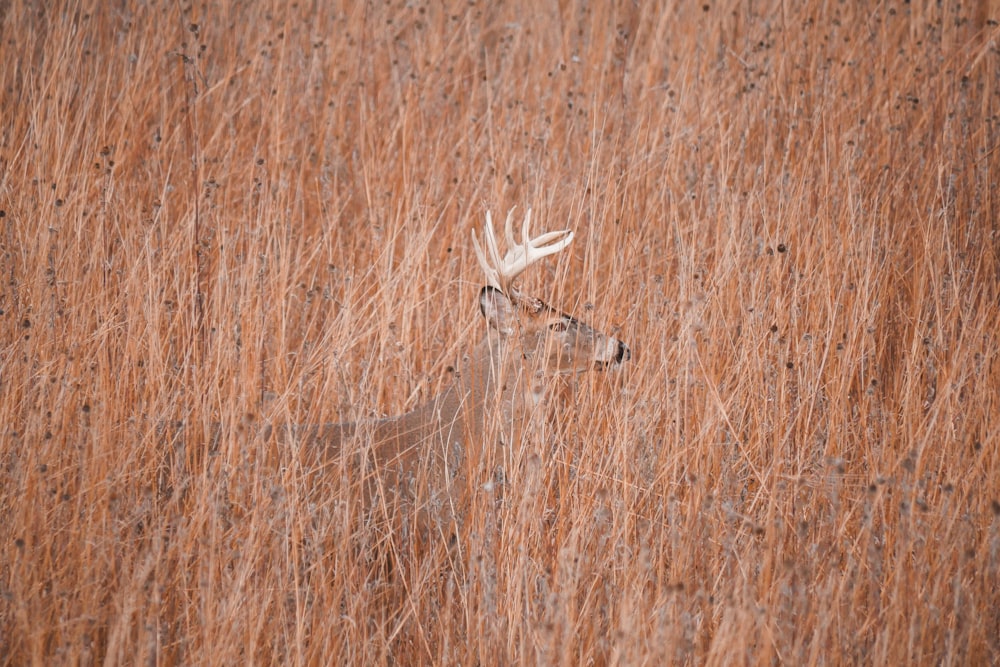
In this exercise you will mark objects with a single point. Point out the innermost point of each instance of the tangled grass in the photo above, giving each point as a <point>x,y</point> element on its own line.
<point>228,213</point>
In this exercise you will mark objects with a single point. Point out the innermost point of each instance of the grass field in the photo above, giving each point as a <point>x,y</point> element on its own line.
<point>244,212</point>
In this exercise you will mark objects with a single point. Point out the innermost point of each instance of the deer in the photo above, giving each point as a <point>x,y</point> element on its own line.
<point>496,395</point>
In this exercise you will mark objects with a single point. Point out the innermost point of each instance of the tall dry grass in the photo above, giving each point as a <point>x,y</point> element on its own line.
<point>231,213</point>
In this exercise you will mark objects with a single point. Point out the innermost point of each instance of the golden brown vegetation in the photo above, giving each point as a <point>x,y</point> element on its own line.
<point>788,210</point>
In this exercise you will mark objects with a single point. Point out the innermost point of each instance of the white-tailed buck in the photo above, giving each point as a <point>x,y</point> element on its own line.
<point>425,457</point>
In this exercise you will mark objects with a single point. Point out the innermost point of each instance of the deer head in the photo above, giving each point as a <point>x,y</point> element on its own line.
<point>557,342</point>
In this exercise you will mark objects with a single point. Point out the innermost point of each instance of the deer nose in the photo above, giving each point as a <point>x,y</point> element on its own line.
<point>623,353</point>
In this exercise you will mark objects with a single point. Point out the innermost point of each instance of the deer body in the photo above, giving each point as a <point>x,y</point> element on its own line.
<point>422,458</point>
<point>496,395</point>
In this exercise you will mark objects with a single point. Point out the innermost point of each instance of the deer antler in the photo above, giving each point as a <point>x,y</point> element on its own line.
<point>501,272</point>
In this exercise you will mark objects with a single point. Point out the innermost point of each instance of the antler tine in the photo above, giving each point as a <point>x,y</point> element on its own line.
<point>491,244</point>
<point>492,277</point>
<point>509,234</point>
<point>501,273</point>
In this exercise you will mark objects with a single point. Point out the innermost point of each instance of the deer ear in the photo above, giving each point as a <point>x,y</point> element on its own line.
<point>497,309</point>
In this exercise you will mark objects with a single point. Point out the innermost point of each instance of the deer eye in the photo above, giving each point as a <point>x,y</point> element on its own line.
<point>558,326</point>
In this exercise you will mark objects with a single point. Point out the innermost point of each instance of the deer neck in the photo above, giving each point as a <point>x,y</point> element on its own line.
<point>491,391</point>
